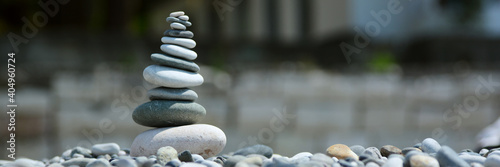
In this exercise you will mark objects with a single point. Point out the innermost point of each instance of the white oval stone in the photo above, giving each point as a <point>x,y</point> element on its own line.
<point>105,148</point>
<point>177,26</point>
<point>184,17</point>
<point>205,140</point>
<point>179,51</point>
<point>186,42</point>
<point>177,14</point>
<point>171,77</point>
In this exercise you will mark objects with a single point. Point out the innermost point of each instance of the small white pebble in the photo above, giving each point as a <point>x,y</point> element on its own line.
<point>122,153</point>
<point>184,17</point>
<point>177,14</point>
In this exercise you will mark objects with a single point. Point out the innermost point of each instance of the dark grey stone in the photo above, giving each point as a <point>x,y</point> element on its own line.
<point>179,33</point>
<point>175,62</point>
<point>164,113</point>
<point>174,19</point>
<point>185,156</point>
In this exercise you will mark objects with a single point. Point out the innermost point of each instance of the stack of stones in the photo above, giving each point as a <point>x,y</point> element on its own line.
<point>172,110</point>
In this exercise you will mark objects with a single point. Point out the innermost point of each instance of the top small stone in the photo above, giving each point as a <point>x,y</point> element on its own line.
<point>176,14</point>
<point>184,17</point>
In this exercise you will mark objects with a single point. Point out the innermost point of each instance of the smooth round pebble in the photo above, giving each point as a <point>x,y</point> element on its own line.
<point>177,26</point>
<point>105,148</point>
<point>177,13</point>
<point>340,151</point>
<point>185,42</point>
<point>175,19</point>
<point>388,150</point>
<point>205,140</point>
<point>175,62</point>
<point>164,93</point>
<point>166,113</point>
<point>197,157</point>
<point>171,77</point>
<point>166,154</point>
<point>423,161</point>
<point>185,156</point>
<point>184,17</point>
<point>374,152</point>
<point>430,145</point>
<point>394,162</point>
<point>448,157</point>
<point>179,33</point>
<point>302,154</point>
<point>179,51</point>
<point>358,149</point>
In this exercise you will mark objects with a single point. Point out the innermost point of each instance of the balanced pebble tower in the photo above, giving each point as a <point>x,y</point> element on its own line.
<point>172,110</point>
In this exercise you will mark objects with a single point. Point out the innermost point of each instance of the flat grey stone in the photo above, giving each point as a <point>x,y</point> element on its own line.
<point>177,26</point>
<point>164,93</point>
<point>165,113</point>
<point>175,62</point>
<point>186,42</point>
<point>178,20</point>
<point>171,77</point>
<point>179,51</point>
<point>179,33</point>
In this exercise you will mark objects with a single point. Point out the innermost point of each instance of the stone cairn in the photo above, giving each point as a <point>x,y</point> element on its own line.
<point>172,110</point>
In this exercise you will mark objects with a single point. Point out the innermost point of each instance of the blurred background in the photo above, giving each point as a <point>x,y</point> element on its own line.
<point>330,71</point>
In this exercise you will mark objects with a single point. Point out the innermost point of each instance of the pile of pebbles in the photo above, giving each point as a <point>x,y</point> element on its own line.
<point>172,111</point>
<point>428,153</point>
